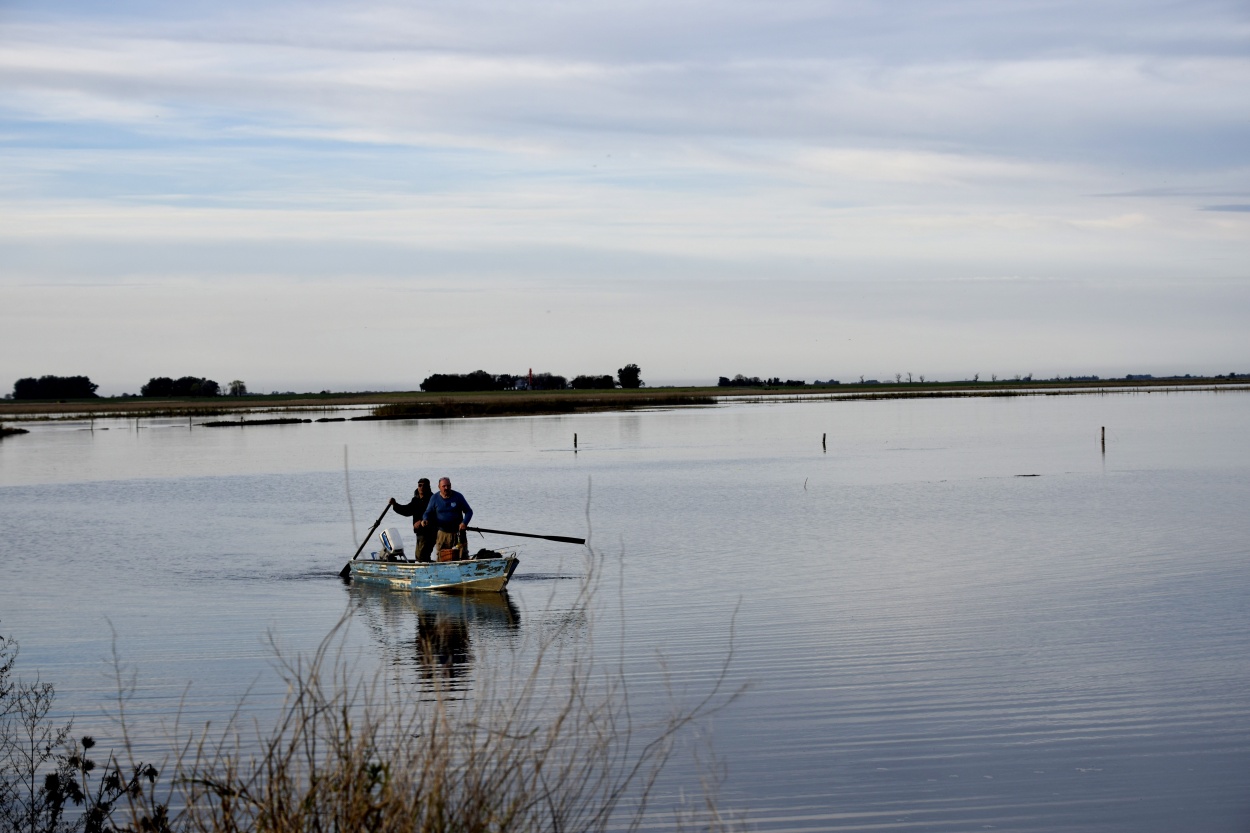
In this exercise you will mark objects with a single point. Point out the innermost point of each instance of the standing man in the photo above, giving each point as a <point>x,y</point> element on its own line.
<point>449,513</point>
<point>415,509</point>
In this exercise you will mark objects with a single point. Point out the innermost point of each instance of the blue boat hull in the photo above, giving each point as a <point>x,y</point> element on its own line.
<point>489,575</point>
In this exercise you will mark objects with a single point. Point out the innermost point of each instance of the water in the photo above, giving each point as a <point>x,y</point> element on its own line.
<point>960,616</point>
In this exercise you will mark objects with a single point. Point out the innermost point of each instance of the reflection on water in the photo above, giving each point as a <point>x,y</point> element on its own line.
<point>432,634</point>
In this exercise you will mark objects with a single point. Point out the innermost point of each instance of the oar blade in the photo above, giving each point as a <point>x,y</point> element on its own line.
<point>347,568</point>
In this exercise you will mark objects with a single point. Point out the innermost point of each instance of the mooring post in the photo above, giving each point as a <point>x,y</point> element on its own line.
<point>822,442</point>
<point>1104,439</point>
<point>575,441</point>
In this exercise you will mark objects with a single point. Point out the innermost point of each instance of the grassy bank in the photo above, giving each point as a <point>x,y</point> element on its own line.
<point>521,405</point>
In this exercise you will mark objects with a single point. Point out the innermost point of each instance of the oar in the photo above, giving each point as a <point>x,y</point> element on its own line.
<point>562,538</point>
<point>347,568</point>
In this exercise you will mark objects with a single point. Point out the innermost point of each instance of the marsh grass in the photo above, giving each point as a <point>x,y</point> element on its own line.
<point>521,405</point>
<point>547,743</point>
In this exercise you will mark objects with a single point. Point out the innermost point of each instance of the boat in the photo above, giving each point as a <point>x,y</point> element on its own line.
<point>487,571</point>
<point>471,574</point>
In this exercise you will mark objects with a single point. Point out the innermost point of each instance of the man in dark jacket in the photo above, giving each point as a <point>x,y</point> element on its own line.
<point>449,513</point>
<point>415,509</point>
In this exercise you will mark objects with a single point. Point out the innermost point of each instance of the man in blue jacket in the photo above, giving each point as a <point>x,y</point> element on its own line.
<point>449,513</point>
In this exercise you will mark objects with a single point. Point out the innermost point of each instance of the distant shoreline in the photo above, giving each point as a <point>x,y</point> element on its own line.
<point>418,404</point>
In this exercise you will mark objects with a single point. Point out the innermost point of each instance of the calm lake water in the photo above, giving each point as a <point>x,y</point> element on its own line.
<point>960,616</point>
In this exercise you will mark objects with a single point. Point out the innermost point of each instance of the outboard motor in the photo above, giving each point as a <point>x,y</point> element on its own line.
<point>392,545</point>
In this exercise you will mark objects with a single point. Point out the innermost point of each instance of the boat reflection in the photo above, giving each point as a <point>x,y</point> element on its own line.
<point>433,634</point>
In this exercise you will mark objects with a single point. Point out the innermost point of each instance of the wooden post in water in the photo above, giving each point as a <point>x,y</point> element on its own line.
<point>1104,439</point>
<point>575,441</point>
<point>822,442</point>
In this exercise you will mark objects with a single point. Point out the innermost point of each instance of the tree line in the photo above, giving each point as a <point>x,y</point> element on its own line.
<point>629,376</point>
<point>55,387</point>
<point>164,387</point>
<point>741,381</point>
<point>81,387</point>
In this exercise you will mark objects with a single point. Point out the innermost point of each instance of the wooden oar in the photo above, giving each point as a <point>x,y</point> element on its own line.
<point>562,538</point>
<point>347,568</point>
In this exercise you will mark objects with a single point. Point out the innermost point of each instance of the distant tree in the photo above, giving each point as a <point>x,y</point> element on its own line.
<point>976,377</point>
<point>55,387</point>
<point>238,388</point>
<point>478,380</point>
<point>549,381</point>
<point>158,386</point>
<point>163,386</point>
<point>604,382</point>
<point>898,378</point>
<point>921,378</point>
<point>195,386</point>
<point>630,376</point>
<point>909,378</point>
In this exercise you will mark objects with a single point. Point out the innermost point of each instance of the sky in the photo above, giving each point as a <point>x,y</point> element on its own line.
<point>355,195</point>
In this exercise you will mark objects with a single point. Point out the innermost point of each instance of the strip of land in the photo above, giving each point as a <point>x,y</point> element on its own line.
<point>420,405</point>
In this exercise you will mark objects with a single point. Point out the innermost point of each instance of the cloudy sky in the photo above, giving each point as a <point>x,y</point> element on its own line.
<point>357,194</point>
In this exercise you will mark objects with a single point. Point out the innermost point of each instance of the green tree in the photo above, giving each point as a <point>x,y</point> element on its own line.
<point>55,387</point>
<point>630,376</point>
<point>604,382</point>
<point>238,388</point>
<point>183,386</point>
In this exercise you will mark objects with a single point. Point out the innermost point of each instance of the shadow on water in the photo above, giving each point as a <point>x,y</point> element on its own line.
<point>433,634</point>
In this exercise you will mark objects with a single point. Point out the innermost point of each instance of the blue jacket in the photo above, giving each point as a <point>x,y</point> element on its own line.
<point>448,513</point>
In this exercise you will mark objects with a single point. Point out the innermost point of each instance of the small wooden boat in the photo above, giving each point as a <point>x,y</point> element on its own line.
<point>487,574</point>
<point>488,570</point>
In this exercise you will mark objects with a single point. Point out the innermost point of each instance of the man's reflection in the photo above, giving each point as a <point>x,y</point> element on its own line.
<point>435,632</point>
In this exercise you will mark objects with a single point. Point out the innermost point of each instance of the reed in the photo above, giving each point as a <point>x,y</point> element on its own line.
<point>550,746</point>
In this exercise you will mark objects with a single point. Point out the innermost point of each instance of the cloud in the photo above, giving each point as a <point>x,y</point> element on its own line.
<point>549,144</point>
<point>383,74</point>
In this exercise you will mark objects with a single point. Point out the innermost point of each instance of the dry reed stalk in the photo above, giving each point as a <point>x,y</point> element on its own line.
<point>554,747</point>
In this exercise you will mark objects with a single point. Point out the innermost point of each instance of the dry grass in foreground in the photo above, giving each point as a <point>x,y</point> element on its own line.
<point>554,747</point>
